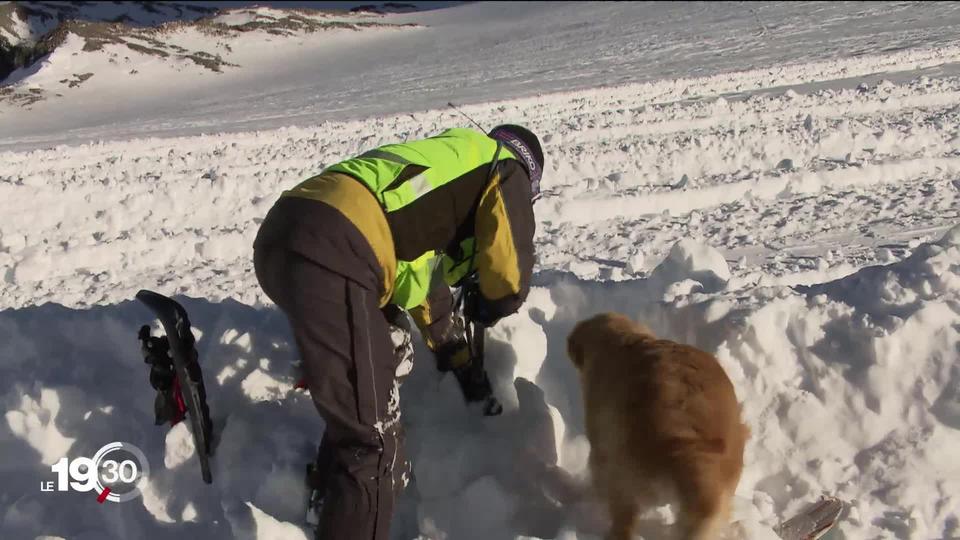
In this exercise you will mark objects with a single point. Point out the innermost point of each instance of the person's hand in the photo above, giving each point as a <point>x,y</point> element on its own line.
<point>473,380</point>
<point>453,355</point>
<point>476,388</point>
<point>475,307</point>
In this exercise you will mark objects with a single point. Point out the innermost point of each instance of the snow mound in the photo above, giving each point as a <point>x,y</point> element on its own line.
<point>840,401</point>
<point>179,446</point>
<point>266,527</point>
<point>898,290</point>
<point>35,422</point>
<point>261,386</point>
<point>691,261</point>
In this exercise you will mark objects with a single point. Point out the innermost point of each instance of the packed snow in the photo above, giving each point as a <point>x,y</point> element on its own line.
<point>793,210</point>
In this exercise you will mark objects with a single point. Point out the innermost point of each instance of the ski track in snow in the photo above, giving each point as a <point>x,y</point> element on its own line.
<point>766,178</point>
<point>818,261</point>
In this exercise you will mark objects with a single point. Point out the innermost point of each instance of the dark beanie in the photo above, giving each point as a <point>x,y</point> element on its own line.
<point>525,145</point>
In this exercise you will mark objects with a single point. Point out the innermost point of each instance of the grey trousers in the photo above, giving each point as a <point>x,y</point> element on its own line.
<point>350,369</point>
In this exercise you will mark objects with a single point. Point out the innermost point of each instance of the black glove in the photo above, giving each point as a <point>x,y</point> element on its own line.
<point>475,307</point>
<point>454,355</point>
<point>476,388</point>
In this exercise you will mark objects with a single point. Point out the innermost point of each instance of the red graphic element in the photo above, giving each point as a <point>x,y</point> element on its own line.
<point>103,495</point>
<point>181,404</point>
<point>301,384</point>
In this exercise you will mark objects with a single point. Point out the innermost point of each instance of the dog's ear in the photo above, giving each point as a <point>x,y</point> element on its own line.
<point>575,350</point>
<point>644,330</point>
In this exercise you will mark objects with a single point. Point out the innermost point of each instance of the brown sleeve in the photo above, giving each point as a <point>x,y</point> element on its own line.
<point>505,228</point>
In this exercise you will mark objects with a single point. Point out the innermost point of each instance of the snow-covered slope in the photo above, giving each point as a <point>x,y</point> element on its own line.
<point>28,22</point>
<point>787,202</point>
<point>128,56</point>
<point>484,52</point>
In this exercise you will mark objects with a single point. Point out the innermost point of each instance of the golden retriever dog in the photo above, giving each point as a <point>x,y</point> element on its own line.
<point>663,424</point>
